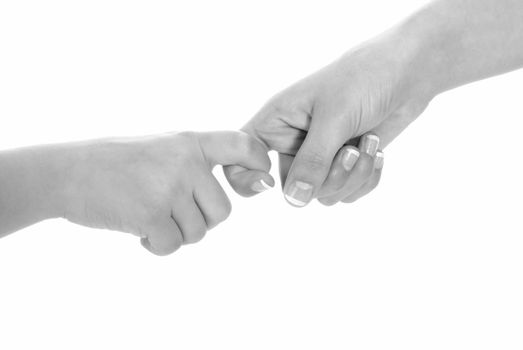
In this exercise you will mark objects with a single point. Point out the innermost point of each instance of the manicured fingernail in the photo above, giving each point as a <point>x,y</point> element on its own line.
<point>260,186</point>
<point>350,157</point>
<point>299,193</point>
<point>379,160</point>
<point>369,144</point>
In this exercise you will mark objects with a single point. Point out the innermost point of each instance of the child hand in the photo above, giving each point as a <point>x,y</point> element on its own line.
<point>160,188</point>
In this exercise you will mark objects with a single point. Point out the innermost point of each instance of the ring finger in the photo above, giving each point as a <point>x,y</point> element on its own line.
<point>371,184</point>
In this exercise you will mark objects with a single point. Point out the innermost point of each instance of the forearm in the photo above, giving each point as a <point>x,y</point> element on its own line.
<point>32,184</point>
<point>460,41</point>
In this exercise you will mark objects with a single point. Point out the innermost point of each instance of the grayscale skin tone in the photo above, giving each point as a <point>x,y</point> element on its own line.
<point>378,88</point>
<point>159,188</point>
<point>327,128</point>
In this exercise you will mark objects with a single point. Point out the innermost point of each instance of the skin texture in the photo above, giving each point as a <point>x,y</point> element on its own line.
<point>159,188</point>
<point>380,87</point>
<point>309,124</point>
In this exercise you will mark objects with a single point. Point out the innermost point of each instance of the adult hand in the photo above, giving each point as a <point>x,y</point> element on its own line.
<point>381,87</point>
<point>374,88</point>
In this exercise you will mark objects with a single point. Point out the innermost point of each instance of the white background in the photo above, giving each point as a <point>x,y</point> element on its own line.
<point>433,259</point>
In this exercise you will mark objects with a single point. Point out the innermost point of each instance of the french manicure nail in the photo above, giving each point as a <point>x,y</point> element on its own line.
<point>379,160</point>
<point>299,193</point>
<point>260,186</point>
<point>369,144</point>
<point>350,157</point>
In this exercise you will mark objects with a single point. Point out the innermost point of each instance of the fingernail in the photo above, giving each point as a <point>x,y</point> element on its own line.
<point>260,186</point>
<point>299,193</point>
<point>379,160</point>
<point>369,144</point>
<point>350,158</point>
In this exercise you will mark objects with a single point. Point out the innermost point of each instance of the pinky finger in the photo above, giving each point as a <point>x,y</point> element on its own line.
<point>371,184</point>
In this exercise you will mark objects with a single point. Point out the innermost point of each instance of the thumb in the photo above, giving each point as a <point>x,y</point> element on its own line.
<point>245,160</point>
<point>312,163</point>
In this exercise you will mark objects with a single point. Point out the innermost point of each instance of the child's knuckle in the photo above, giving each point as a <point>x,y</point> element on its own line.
<point>244,142</point>
<point>221,213</point>
<point>195,232</point>
<point>173,244</point>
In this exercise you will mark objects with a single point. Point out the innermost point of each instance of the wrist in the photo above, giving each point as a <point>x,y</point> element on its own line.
<point>75,162</point>
<point>424,55</point>
<point>401,56</point>
<point>53,164</point>
<point>426,64</point>
<point>32,181</point>
<point>467,40</point>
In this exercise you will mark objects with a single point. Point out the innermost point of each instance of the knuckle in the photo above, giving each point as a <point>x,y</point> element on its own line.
<point>185,149</point>
<point>194,233</point>
<point>220,210</point>
<point>156,207</point>
<point>222,213</point>
<point>245,142</point>
<point>314,160</point>
<point>153,212</point>
<point>237,139</point>
<point>284,103</point>
<point>175,242</point>
<point>178,189</point>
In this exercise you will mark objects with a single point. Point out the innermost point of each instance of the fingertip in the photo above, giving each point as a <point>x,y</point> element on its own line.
<point>298,193</point>
<point>369,143</point>
<point>308,172</point>
<point>268,180</point>
<point>248,183</point>
<point>260,186</point>
<point>349,157</point>
<point>341,167</point>
<point>261,182</point>
<point>360,173</point>
<point>379,160</point>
